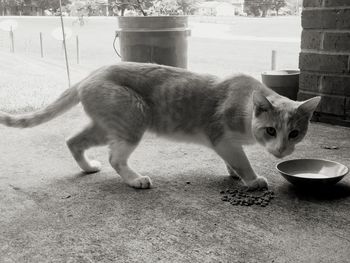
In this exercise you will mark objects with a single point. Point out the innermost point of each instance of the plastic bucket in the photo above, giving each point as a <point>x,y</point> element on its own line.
<point>284,82</point>
<point>154,39</point>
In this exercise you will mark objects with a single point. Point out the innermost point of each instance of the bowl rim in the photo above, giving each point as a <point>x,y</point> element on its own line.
<point>313,159</point>
<point>289,72</point>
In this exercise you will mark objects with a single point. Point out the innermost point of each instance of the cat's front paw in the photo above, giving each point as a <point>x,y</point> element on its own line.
<point>142,182</point>
<point>258,183</point>
<point>232,173</point>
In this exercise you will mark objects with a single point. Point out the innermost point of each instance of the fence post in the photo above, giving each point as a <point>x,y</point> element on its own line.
<point>41,45</point>
<point>12,48</point>
<point>273,59</point>
<point>77,44</point>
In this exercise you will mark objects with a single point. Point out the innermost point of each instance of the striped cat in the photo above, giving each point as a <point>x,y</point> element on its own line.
<point>125,100</point>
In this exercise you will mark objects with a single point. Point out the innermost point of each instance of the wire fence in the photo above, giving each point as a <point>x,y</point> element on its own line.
<point>245,45</point>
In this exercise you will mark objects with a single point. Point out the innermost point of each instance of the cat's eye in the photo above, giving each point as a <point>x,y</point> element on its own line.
<point>293,134</point>
<point>271,131</point>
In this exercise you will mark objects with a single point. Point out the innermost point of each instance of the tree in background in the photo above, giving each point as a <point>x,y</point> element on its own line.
<point>119,7</point>
<point>115,7</point>
<point>92,7</point>
<point>188,7</point>
<point>278,4</point>
<point>294,6</point>
<point>154,7</point>
<point>16,7</point>
<point>53,5</point>
<point>165,7</point>
<point>261,7</point>
<point>11,6</point>
<point>265,5</point>
<point>251,7</point>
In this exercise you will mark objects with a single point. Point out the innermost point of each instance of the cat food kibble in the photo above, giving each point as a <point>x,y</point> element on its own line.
<point>241,197</point>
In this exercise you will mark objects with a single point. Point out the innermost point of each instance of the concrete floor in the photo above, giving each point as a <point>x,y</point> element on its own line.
<point>50,212</point>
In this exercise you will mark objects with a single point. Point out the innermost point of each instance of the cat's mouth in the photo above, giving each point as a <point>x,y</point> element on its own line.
<point>280,155</point>
<point>277,154</point>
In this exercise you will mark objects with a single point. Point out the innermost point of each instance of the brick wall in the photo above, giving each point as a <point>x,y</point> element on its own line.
<point>324,60</point>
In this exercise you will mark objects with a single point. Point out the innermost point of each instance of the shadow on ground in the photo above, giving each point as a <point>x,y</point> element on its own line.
<point>319,194</point>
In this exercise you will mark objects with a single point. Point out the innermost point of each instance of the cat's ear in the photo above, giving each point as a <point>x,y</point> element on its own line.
<point>309,106</point>
<point>261,103</point>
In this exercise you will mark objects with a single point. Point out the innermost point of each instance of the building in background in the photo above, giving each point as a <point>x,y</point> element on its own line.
<point>238,6</point>
<point>216,8</point>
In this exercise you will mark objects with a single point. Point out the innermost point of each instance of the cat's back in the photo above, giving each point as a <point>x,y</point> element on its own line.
<point>239,89</point>
<point>145,77</point>
<point>242,83</point>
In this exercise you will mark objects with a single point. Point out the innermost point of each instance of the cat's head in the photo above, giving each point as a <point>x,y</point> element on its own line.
<point>279,123</point>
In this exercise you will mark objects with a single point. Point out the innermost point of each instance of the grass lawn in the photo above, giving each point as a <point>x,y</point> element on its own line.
<point>28,82</point>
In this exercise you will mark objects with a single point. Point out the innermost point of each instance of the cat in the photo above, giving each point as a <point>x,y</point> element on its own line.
<point>127,99</point>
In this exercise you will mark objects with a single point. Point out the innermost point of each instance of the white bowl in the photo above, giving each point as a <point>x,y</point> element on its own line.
<point>312,171</point>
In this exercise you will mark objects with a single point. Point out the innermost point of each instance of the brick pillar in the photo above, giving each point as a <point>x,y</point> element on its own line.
<point>324,60</point>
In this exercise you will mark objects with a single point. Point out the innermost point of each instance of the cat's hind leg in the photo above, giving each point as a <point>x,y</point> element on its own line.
<point>91,136</point>
<point>125,130</point>
<point>124,116</point>
<point>120,151</point>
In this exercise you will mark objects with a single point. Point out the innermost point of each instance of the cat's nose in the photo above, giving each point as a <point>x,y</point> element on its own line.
<point>281,149</point>
<point>280,152</point>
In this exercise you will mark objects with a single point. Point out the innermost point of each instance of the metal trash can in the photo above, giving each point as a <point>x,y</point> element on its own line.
<point>154,39</point>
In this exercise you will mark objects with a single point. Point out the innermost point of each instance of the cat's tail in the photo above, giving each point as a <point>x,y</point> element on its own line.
<point>67,100</point>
